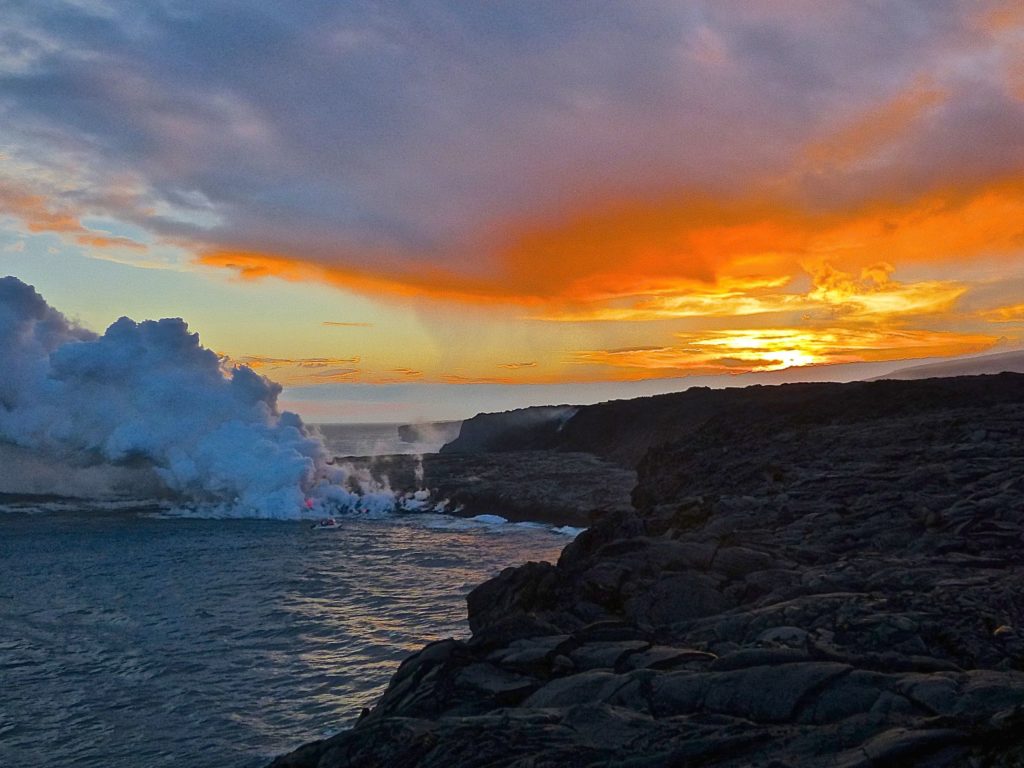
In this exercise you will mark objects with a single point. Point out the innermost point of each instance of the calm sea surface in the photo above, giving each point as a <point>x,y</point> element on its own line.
<point>127,639</point>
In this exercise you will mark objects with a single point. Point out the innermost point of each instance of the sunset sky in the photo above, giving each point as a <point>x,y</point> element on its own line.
<point>423,209</point>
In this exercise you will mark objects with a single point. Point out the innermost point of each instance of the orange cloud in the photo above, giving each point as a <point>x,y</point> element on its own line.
<point>430,282</point>
<point>257,362</point>
<point>298,371</point>
<point>460,378</point>
<point>326,376</point>
<point>613,250</point>
<point>35,211</point>
<point>878,127</point>
<point>410,373</point>
<point>1005,24</point>
<point>452,378</point>
<point>393,376</point>
<point>832,293</point>
<point>105,241</point>
<point>41,214</point>
<point>770,256</point>
<point>305,371</point>
<point>626,248</point>
<point>1005,16</point>
<point>1010,314</point>
<point>751,350</point>
<point>690,242</point>
<point>876,295</point>
<point>777,263</point>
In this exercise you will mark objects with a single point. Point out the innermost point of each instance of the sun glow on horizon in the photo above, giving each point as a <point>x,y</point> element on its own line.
<point>637,196</point>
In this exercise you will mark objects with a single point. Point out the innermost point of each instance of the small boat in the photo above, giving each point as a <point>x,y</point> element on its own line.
<point>327,524</point>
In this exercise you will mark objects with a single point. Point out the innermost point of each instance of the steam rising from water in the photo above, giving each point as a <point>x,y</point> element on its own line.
<point>148,406</point>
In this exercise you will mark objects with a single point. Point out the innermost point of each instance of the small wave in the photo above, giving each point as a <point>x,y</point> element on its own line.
<point>490,519</point>
<point>168,629</point>
<point>372,506</point>
<point>27,505</point>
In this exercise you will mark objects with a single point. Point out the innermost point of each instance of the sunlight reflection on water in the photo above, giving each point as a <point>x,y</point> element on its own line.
<point>128,641</point>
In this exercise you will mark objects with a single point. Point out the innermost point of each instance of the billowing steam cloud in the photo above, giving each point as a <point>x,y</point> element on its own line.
<point>149,395</point>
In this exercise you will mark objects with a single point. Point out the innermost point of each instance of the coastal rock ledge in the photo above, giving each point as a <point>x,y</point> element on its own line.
<point>814,582</point>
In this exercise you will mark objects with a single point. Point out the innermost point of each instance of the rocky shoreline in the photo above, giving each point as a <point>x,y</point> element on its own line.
<point>812,575</point>
<point>560,488</point>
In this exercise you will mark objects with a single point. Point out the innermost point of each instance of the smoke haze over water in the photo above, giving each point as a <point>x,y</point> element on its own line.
<point>148,402</point>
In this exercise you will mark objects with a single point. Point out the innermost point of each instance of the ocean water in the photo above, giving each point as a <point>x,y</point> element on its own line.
<point>129,639</point>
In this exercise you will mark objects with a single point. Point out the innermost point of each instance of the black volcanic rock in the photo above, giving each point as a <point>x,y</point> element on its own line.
<point>623,431</point>
<point>541,486</point>
<point>559,488</point>
<point>523,429</point>
<point>815,575</point>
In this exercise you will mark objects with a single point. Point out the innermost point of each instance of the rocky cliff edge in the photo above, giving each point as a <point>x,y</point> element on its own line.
<point>825,576</point>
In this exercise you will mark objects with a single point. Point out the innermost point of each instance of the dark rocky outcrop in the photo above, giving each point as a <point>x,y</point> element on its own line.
<point>623,431</point>
<point>523,429</point>
<point>817,575</point>
<point>541,486</point>
<point>562,489</point>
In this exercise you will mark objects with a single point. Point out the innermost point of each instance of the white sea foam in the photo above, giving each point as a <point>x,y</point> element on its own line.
<point>489,519</point>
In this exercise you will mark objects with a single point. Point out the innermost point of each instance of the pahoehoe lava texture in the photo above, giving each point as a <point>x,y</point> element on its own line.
<point>816,575</point>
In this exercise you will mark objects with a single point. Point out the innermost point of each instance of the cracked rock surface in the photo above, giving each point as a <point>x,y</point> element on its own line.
<point>828,575</point>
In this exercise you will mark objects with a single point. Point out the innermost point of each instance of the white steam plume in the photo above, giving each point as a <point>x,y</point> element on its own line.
<point>148,394</point>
